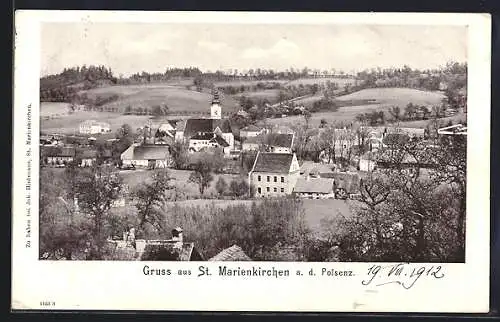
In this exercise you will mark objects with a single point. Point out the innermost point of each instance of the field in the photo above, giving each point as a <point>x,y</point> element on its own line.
<point>53,109</point>
<point>270,94</point>
<point>178,99</point>
<point>310,81</point>
<point>68,124</point>
<point>185,188</point>
<point>378,98</point>
<point>248,82</point>
<point>395,96</point>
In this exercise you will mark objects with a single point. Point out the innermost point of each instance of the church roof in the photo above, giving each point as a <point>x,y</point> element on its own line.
<point>195,126</point>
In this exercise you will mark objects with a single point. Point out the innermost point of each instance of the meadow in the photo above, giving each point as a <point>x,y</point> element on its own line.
<point>178,99</point>
<point>53,109</point>
<point>69,124</point>
<point>395,96</point>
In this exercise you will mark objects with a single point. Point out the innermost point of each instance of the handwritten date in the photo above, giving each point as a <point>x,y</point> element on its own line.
<point>405,275</point>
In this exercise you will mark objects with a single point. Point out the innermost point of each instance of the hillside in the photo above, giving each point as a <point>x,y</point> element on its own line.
<point>363,101</point>
<point>395,96</point>
<point>179,100</point>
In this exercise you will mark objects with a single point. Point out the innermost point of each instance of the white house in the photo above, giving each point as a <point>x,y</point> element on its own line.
<point>94,127</point>
<point>205,141</point>
<point>457,129</point>
<point>274,174</point>
<point>147,156</point>
<point>367,162</point>
<point>314,188</point>
<point>250,131</point>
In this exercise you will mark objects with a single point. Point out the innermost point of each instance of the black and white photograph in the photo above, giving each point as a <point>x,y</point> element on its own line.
<point>217,142</point>
<point>199,158</point>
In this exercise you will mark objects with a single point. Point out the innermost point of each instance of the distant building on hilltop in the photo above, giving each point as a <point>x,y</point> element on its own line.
<point>94,127</point>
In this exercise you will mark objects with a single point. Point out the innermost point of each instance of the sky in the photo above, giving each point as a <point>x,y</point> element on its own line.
<point>135,47</point>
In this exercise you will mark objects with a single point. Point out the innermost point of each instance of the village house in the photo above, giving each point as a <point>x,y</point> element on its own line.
<point>57,156</point>
<point>457,129</point>
<point>314,188</point>
<point>274,174</point>
<point>87,157</point>
<point>367,162</point>
<point>206,141</point>
<point>272,142</point>
<point>147,156</point>
<point>94,127</point>
<point>174,249</point>
<point>231,254</point>
<point>250,131</point>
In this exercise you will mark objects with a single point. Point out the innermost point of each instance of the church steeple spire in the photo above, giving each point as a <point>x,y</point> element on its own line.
<point>215,108</point>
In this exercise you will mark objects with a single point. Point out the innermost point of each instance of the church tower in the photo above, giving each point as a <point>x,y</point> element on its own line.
<point>215,108</point>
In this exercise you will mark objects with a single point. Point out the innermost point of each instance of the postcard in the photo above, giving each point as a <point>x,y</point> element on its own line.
<point>251,161</point>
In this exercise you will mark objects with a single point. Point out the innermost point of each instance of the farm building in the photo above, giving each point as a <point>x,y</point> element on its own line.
<point>274,174</point>
<point>94,127</point>
<point>345,183</point>
<point>147,156</point>
<point>205,141</point>
<point>314,168</point>
<point>231,254</point>
<point>250,131</point>
<point>174,249</point>
<point>367,162</point>
<point>314,188</point>
<point>57,155</point>
<point>272,142</point>
<point>87,157</point>
<point>457,129</point>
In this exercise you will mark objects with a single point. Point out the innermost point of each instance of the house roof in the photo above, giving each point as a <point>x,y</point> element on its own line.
<point>314,167</point>
<point>220,141</point>
<point>167,250</point>
<point>87,154</point>
<point>151,152</point>
<point>314,185</point>
<point>56,151</point>
<point>194,126</point>
<point>345,180</point>
<point>395,138</point>
<point>231,254</point>
<point>273,162</point>
<point>251,128</point>
<point>281,140</point>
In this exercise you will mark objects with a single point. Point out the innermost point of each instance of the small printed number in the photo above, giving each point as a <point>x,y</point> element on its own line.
<point>47,303</point>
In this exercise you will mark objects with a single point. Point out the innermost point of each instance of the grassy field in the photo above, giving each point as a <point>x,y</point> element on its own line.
<point>380,100</point>
<point>247,82</point>
<point>174,95</point>
<point>396,96</point>
<point>270,94</point>
<point>68,124</point>
<point>53,109</point>
<point>310,81</point>
<point>181,181</point>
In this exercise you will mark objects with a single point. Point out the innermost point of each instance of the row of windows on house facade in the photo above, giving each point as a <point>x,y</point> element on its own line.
<point>259,178</point>
<point>268,189</point>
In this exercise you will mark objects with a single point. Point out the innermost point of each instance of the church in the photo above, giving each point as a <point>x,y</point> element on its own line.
<point>205,133</point>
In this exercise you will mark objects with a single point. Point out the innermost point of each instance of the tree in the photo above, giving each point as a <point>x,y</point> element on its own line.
<point>221,186</point>
<point>179,153</point>
<point>322,123</point>
<point>96,190</point>
<point>150,197</point>
<point>63,232</point>
<point>202,174</point>
<point>239,188</point>
<point>307,117</point>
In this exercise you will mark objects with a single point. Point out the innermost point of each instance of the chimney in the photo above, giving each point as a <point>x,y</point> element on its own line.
<point>177,234</point>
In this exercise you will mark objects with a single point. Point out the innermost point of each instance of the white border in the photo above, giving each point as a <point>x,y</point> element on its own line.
<point>121,285</point>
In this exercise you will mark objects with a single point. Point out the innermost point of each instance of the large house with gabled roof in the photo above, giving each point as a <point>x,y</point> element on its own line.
<point>274,174</point>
